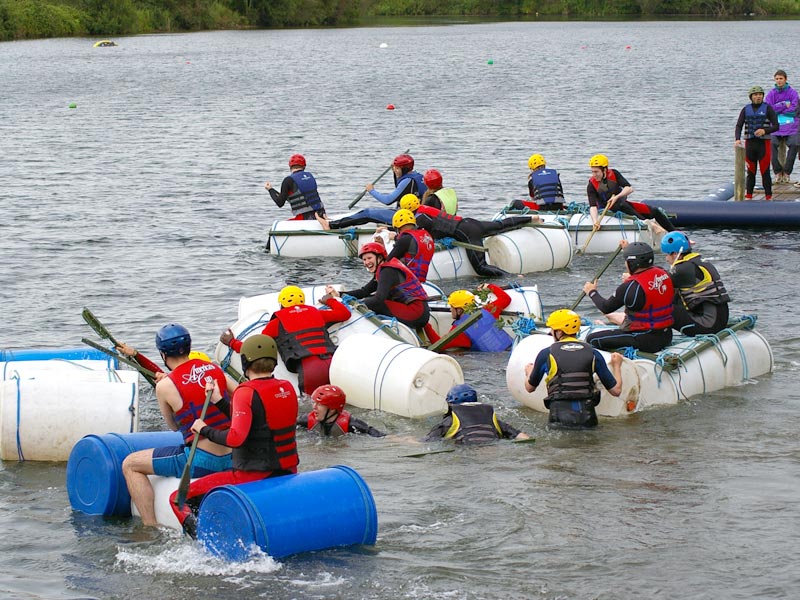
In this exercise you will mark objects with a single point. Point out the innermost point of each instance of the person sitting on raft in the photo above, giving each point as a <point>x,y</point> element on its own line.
<point>468,421</point>
<point>393,291</point>
<point>414,247</point>
<point>301,332</point>
<point>544,187</point>
<point>330,419</point>
<point>646,293</point>
<point>180,396</point>
<point>436,196</point>
<point>263,414</point>
<point>484,335</point>
<point>299,188</point>
<point>406,181</point>
<point>608,190</point>
<point>701,300</point>
<point>568,367</point>
<point>471,231</point>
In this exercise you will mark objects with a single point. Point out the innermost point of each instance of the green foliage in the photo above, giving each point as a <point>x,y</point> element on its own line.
<point>21,19</point>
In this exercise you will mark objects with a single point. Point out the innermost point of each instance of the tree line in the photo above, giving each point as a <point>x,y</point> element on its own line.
<point>25,19</point>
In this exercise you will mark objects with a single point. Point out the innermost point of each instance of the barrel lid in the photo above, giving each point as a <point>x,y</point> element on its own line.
<point>94,481</point>
<point>229,526</point>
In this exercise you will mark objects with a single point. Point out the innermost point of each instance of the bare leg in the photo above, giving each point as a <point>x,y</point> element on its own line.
<point>135,468</point>
<point>323,221</point>
<point>616,318</point>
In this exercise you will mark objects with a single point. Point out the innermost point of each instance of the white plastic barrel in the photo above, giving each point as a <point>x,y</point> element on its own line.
<point>610,406</point>
<point>381,374</point>
<point>612,230</point>
<point>307,239</point>
<point>162,489</point>
<point>530,249</point>
<point>450,263</point>
<point>44,412</point>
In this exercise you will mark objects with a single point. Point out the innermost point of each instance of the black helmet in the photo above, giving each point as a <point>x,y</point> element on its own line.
<point>258,346</point>
<point>638,255</point>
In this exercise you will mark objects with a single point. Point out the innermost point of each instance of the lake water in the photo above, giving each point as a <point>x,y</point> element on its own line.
<point>146,204</point>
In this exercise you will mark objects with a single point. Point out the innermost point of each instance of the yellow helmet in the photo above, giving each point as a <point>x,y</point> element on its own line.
<point>409,202</point>
<point>566,320</point>
<point>403,217</point>
<point>291,295</point>
<point>461,298</point>
<point>598,160</point>
<point>199,355</point>
<point>536,161</point>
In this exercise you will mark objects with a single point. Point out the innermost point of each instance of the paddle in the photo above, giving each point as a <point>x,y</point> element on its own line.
<point>593,231</point>
<point>382,325</point>
<point>146,373</point>
<point>183,486</point>
<point>597,276</point>
<point>455,332</point>
<point>361,195</point>
<point>442,451</point>
<point>95,324</point>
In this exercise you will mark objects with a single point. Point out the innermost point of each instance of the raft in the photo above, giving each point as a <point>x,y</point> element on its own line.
<point>49,399</point>
<point>280,516</point>
<point>749,214</point>
<point>688,368</point>
<point>613,228</point>
<point>526,250</point>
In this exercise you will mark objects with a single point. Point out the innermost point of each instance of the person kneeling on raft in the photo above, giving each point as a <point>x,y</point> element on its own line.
<point>262,433</point>
<point>484,335</point>
<point>329,418</point>
<point>701,300</point>
<point>393,291</point>
<point>468,421</point>
<point>646,293</point>
<point>568,367</point>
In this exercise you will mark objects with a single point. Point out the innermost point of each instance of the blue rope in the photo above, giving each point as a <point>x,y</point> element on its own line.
<point>131,408</point>
<point>20,455</point>
<point>523,326</point>
<point>349,234</point>
<point>447,242</point>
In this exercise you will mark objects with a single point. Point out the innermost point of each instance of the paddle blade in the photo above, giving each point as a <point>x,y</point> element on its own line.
<point>183,488</point>
<point>99,328</point>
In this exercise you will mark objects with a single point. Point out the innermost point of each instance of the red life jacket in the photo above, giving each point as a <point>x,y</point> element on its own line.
<point>270,444</point>
<point>339,427</point>
<point>190,380</point>
<point>420,262</point>
<point>408,291</point>
<point>659,293</point>
<point>302,332</point>
<point>611,176</point>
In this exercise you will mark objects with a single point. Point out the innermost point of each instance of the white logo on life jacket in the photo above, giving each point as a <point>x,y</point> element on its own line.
<point>283,393</point>
<point>196,375</point>
<point>571,347</point>
<point>658,283</point>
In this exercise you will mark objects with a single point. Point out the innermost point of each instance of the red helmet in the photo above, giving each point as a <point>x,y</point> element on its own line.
<point>374,247</point>
<point>433,179</point>
<point>403,161</point>
<point>331,396</point>
<point>297,160</point>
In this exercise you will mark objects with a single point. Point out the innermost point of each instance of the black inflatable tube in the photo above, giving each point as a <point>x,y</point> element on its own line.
<point>730,214</point>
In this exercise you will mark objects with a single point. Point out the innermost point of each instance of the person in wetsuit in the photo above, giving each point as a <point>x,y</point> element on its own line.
<point>330,419</point>
<point>568,367</point>
<point>299,189</point>
<point>701,300</point>
<point>759,120</point>
<point>468,421</point>
<point>412,245</point>
<point>436,196</point>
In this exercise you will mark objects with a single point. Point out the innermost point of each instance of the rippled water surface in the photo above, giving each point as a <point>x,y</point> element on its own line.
<point>146,204</point>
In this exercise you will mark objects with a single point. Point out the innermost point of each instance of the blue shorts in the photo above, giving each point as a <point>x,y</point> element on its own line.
<point>171,460</point>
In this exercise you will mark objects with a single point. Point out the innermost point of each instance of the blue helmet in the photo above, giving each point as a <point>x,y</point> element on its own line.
<point>173,340</point>
<point>461,393</point>
<point>675,241</point>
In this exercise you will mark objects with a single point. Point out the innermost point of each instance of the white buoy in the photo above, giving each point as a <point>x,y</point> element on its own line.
<point>383,45</point>
<point>381,374</point>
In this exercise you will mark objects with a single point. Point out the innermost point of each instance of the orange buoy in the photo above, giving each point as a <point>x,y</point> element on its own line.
<point>627,47</point>
<point>390,107</point>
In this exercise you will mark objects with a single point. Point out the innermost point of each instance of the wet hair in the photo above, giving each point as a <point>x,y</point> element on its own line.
<point>781,72</point>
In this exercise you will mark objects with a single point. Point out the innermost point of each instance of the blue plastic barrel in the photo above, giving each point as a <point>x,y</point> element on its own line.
<point>84,353</point>
<point>286,515</point>
<point>95,484</point>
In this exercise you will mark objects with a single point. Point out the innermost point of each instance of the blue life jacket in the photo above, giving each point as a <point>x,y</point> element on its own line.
<point>545,186</point>
<point>484,333</point>
<point>306,198</point>
<point>418,187</point>
<point>755,119</point>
